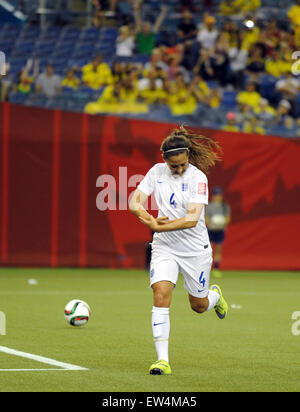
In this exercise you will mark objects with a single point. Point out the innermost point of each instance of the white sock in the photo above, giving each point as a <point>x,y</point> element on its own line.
<point>161,331</point>
<point>213,298</point>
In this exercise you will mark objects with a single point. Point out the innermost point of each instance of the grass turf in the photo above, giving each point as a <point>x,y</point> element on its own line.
<point>252,350</point>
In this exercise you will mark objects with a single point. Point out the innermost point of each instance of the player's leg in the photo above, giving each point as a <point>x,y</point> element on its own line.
<point>201,305</point>
<point>163,277</point>
<point>196,273</point>
<point>214,300</point>
<point>162,295</point>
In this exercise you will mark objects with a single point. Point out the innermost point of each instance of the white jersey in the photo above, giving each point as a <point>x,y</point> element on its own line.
<point>172,195</point>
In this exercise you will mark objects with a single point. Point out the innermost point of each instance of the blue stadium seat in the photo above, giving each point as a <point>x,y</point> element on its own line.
<point>24,48</point>
<point>36,100</point>
<point>89,34</point>
<point>30,33</point>
<point>140,58</point>
<point>18,98</point>
<point>267,86</point>
<point>229,99</point>
<point>51,32</point>
<point>70,33</point>
<point>44,48</point>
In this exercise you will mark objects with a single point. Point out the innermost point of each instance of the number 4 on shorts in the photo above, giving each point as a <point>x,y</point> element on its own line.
<point>202,279</point>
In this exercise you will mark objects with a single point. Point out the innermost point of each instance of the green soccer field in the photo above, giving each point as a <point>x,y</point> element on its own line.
<point>253,349</point>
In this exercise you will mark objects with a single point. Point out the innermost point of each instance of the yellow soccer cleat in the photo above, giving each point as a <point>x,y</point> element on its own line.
<point>221,307</point>
<point>160,367</point>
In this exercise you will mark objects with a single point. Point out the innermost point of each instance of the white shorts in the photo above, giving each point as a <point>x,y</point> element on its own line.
<point>195,270</point>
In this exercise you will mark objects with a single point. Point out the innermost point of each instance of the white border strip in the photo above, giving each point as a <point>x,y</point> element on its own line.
<point>42,359</point>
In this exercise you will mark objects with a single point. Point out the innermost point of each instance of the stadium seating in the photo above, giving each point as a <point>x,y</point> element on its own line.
<point>70,46</point>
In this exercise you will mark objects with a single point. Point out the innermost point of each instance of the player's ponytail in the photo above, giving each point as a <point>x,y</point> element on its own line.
<point>203,151</point>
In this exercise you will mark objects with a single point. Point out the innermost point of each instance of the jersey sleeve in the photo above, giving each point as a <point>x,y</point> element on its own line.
<point>199,190</point>
<point>147,184</point>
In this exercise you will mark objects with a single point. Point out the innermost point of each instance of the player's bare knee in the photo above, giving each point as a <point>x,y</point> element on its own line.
<point>198,307</point>
<point>161,299</point>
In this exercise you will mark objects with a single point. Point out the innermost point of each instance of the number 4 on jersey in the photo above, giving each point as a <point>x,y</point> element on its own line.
<point>202,279</point>
<point>172,200</point>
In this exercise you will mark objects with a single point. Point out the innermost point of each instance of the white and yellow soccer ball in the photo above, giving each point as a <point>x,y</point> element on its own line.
<point>218,221</point>
<point>77,312</point>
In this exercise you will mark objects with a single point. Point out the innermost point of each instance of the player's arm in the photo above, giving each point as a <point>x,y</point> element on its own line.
<point>189,221</point>
<point>136,204</point>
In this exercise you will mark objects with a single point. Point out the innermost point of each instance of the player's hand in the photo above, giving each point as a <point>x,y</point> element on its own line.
<point>150,222</point>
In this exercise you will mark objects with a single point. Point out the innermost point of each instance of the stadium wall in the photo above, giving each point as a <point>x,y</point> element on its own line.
<point>55,168</point>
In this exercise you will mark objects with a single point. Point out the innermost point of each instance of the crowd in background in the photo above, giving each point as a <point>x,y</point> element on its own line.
<point>208,54</point>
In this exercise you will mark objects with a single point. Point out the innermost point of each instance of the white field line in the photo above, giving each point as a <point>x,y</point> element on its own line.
<point>42,359</point>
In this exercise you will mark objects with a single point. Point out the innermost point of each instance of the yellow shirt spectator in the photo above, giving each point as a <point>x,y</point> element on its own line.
<point>294,14</point>
<point>70,80</point>
<point>181,101</point>
<point>96,76</point>
<point>251,37</point>
<point>152,94</point>
<point>249,96</point>
<point>230,128</point>
<point>228,7</point>
<point>264,107</point>
<point>251,128</point>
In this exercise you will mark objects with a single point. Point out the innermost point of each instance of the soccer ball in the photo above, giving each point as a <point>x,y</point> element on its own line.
<point>77,312</point>
<point>218,221</point>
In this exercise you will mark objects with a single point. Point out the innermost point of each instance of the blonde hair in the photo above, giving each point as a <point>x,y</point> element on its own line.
<point>203,151</point>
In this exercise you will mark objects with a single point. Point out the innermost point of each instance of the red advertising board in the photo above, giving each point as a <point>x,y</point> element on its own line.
<point>66,178</point>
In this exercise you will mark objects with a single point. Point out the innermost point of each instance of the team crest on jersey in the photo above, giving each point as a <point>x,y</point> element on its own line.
<point>201,188</point>
<point>184,187</point>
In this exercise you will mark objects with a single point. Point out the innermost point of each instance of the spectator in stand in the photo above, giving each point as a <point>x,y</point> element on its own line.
<point>249,96</point>
<point>220,61</point>
<point>276,65</point>
<point>208,34</point>
<point>238,61</point>
<point>25,81</point>
<point>153,94</point>
<point>265,112</point>
<point>190,55</point>
<point>256,62</point>
<point>109,101</point>
<point>238,7</point>
<point>118,71</point>
<point>230,32</point>
<point>70,80</point>
<point>174,67</point>
<point>249,35</point>
<point>150,75</point>
<point>231,125</point>
<point>294,17</point>
<point>253,125</point>
<point>269,37</point>
<point>145,33</point>
<point>287,88</point>
<point>186,29</point>
<point>125,43</point>
<point>97,73</point>
<point>204,66</point>
<point>100,8</point>
<point>283,116</point>
<point>156,60</point>
<point>181,99</point>
<point>48,83</point>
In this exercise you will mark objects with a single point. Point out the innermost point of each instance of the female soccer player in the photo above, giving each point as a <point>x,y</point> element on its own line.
<point>180,242</point>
